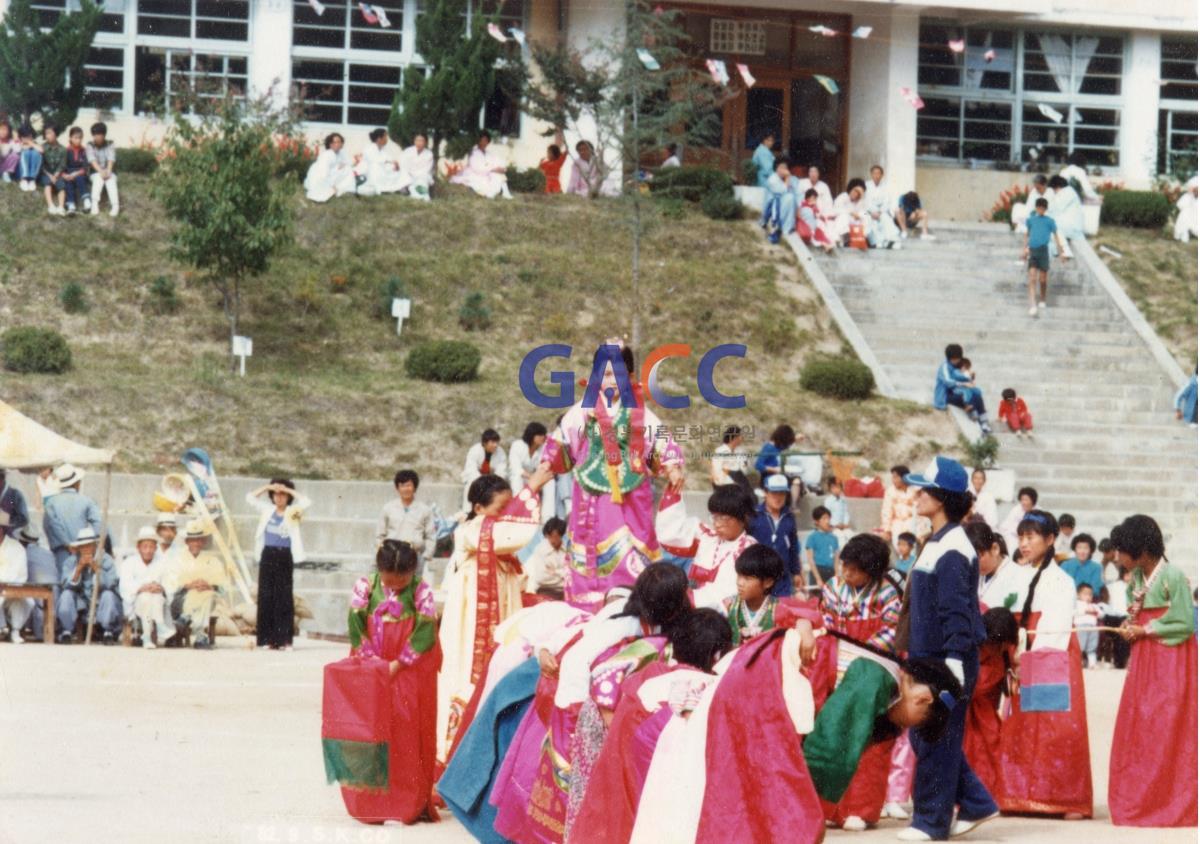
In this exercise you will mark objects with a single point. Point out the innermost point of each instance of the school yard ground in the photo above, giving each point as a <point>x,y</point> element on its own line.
<point>105,744</point>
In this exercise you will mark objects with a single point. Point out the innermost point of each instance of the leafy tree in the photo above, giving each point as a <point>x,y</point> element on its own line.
<point>219,182</point>
<point>606,94</point>
<point>464,69</point>
<point>41,73</point>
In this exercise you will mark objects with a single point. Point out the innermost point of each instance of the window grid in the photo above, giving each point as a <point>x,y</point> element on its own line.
<point>743,37</point>
<point>104,77</point>
<point>343,92</point>
<point>1177,71</point>
<point>343,27</point>
<point>207,76</point>
<point>217,20</point>
<point>1178,142</point>
<point>1091,121</point>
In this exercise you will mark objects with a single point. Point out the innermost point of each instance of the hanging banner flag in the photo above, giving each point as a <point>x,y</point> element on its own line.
<point>368,13</point>
<point>517,35</point>
<point>317,6</point>
<point>747,77</point>
<point>862,32</point>
<point>717,70</point>
<point>989,56</point>
<point>496,33</point>
<point>821,29</point>
<point>1050,113</point>
<point>957,45</point>
<point>910,97</point>
<point>648,61</point>
<point>383,18</point>
<point>826,83</point>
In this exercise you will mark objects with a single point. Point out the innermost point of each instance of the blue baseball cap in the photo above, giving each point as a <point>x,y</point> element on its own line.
<point>943,473</point>
<point>777,483</point>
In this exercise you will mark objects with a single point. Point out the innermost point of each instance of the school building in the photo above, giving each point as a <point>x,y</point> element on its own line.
<point>1112,79</point>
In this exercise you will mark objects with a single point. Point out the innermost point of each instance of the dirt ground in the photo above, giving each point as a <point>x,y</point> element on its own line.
<point>118,744</point>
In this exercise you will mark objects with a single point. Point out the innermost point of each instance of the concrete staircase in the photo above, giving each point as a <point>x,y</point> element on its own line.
<point>1107,444</point>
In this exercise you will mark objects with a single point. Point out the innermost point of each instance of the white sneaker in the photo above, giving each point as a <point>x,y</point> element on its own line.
<point>114,211</point>
<point>962,827</point>
<point>87,203</point>
<point>927,236</point>
<point>95,212</point>
<point>148,643</point>
<point>1042,304</point>
<point>1033,311</point>
<point>913,834</point>
<point>894,811</point>
<point>904,235</point>
<point>15,637</point>
<point>854,824</point>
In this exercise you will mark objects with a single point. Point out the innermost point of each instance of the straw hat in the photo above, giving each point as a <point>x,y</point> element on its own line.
<point>29,533</point>
<point>146,534</point>
<point>165,520</point>
<point>86,536</point>
<point>195,530</point>
<point>67,475</point>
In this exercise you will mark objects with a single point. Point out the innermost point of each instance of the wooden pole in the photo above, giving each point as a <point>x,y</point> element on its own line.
<point>238,555</point>
<point>99,555</point>
<point>222,545</point>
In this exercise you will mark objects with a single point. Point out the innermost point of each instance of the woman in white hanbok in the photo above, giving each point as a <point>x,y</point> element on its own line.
<point>382,172</point>
<point>417,163</point>
<point>484,173</point>
<point>332,174</point>
<point>1185,222</point>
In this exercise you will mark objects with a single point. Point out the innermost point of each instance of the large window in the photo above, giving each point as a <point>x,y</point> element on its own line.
<point>1177,131</point>
<point>104,76</point>
<point>179,80</point>
<point>113,20</point>
<point>1019,95</point>
<point>343,26</point>
<point>345,92</point>
<point>221,20</point>
<point>1177,70</point>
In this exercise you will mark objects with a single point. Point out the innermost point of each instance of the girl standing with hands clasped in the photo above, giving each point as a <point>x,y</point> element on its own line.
<point>1152,770</point>
<point>1044,761</point>
<point>278,546</point>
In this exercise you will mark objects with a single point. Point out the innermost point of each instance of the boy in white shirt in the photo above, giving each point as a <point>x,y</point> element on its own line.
<point>545,567</point>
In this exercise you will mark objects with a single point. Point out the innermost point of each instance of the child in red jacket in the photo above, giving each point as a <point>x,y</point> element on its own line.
<point>1015,413</point>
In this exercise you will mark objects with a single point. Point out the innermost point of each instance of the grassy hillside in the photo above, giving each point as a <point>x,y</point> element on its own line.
<point>326,395</point>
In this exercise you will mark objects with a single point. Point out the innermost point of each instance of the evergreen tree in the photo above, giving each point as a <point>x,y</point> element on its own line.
<point>463,70</point>
<point>41,73</point>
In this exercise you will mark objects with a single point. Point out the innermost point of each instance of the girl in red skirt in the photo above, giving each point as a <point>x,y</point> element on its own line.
<point>1152,770</point>
<point>380,704</point>
<point>1044,763</point>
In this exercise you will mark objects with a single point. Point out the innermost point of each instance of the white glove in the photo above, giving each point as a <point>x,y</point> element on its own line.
<point>955,666</point>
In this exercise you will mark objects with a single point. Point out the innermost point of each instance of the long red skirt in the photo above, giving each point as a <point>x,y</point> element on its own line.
<point>1045,768</point>
<point>1152,769</point>
<point>981,739</point>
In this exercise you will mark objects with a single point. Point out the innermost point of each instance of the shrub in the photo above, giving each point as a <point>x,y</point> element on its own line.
<point>749,172</point>
<point>691,183</point>
<point>73,298</point>
<point>1136,209</point>
<point>721,205</point>
<point>671,207</point>
<point>838,378</point>
<point>982,452</point>
<point>136,160</point>
<point>532,180</point>
<point>391,288</point>
<point>446,361</point>
<point>35,350</point>
<point>474,315</point>
<point>163,297</point>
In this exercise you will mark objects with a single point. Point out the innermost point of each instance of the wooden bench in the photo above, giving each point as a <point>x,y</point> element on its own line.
<point>43,592</point>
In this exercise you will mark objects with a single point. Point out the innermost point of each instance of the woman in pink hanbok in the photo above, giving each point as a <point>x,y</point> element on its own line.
<point>612,451</point>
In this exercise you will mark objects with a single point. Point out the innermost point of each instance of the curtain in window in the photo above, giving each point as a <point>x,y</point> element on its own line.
<point>1085,48</point>
<point>1057,51</point>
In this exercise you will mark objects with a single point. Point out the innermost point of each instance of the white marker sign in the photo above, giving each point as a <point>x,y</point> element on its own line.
<point>243,347</point>
<point>401,308</point>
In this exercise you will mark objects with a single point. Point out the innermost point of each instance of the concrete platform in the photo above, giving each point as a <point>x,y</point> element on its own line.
<point>119,744</point>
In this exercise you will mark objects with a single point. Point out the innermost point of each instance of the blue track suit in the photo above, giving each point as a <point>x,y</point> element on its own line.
<point>945,623</point>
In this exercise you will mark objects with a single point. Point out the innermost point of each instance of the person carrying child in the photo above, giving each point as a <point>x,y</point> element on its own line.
<point>1015,413</point>
<point>1039,229</point>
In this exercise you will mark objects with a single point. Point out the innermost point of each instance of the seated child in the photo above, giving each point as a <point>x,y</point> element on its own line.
<point>54,165</point>
<point>708,552</point>
<point>752,610</point>
<point>821,547</point>
<point>75,173</point>
<point>1014,411</point>
<point>809,225</point>
<point>29,165</point>
<point>545,567</point>
<point>1087,614</point>
<point>906,552</point>
<point>102,157</point>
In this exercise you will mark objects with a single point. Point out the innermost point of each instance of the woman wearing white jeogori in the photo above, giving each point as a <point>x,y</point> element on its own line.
<point>417,163</point>
<point>382,172</point>
<point>332,174</point>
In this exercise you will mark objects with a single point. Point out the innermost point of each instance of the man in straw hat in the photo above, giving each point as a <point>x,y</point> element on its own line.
<point>196,578</point>
<point>13,569</point>
<point>42,568</point>
<point>67,513</point>
<point>143,597</point>
<point>76,594</point>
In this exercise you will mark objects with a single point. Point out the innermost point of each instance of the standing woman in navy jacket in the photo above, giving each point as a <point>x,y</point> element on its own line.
<point>943,590</point>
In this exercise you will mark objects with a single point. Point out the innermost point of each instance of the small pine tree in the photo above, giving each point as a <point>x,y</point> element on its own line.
<point>41,73</point>
<point>464,69</point>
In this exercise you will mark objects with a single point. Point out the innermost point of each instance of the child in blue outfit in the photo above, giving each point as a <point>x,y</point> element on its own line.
<point>821,547</point>
<point>906,549</point>
<point>1038,230</point>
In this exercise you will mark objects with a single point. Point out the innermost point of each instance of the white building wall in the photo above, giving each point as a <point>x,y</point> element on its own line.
<point>883,127</point>
<point>270,60</point>
<point>1139,116</point>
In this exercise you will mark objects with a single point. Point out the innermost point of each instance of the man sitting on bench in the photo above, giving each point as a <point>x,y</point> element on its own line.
<point>198,579</point>
<point>43,570</point>
<point>76,594</point>
<point>13,569</point>
<point>142,594</point>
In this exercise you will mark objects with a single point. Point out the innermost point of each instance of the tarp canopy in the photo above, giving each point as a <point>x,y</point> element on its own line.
<point>24,444</point>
